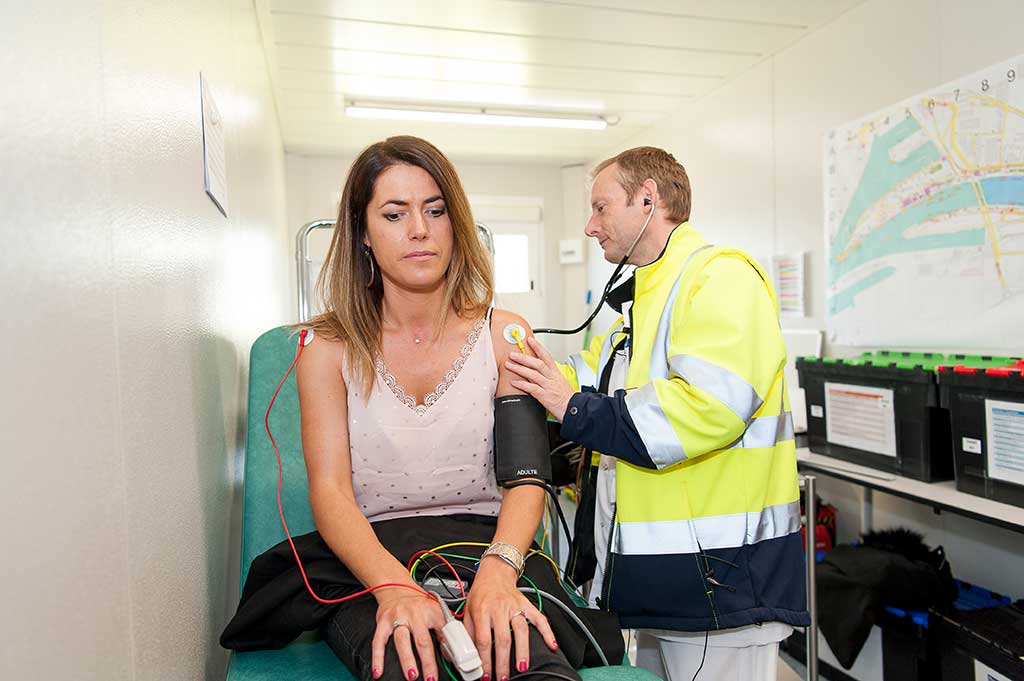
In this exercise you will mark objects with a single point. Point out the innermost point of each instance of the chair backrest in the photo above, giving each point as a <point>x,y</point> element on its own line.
<point>269,358</point>
<point>261,525</point>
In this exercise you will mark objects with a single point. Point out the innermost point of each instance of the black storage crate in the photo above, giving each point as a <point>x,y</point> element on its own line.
<point>920,645</point>
<point>965,393</point>
<point>992,637</point>
<point>922,431</point>
<point>907,651</point>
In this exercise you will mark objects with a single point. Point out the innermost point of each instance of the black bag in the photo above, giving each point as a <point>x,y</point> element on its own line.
<point>854,583</point>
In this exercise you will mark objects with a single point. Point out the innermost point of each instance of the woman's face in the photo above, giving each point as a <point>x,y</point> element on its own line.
<point>408,228</point>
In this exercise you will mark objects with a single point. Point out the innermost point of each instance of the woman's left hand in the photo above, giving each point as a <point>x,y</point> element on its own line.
<point>498,612</point>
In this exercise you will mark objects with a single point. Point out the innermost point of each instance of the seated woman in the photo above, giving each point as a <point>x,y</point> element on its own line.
<point>396,393</point>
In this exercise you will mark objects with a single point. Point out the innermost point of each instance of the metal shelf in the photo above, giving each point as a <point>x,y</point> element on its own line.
<point>942,496</point>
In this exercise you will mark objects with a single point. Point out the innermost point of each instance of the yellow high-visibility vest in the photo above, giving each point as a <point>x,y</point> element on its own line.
<point>706,393</point>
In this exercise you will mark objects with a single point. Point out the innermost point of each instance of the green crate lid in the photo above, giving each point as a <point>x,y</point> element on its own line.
<point>928,361</point>
<point>905,360</point>
<point>981,361</point>
<point>888,358</point>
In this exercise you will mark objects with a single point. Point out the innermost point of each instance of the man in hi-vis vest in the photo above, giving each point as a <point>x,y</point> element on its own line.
<point>682,407</point>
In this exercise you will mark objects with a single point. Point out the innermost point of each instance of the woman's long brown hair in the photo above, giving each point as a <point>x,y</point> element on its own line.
<point>353,311</point>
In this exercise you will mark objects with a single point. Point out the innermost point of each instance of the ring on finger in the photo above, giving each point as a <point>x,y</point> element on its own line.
<point>516,614</point>
<point>399,623</point>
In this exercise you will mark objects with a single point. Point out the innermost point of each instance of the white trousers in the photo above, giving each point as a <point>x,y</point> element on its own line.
<point>676,657</point>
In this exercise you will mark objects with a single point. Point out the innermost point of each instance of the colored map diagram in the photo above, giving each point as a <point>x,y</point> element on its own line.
<point>925,218</point>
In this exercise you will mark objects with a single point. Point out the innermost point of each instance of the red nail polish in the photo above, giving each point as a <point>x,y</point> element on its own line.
<point>376,673</point>
<point>504,678</point>
<point>486,677</point>
<point>522,665</point>
<point>412,675</point>
<point>431,678</point>
<point>554,645</point>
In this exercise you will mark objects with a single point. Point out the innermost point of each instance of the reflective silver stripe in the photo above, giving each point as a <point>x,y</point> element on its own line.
<point>723,385</point>
<point>767,431</point>
<point>585,376</point>
<point>716,532</point>
<point>662,443</point>
<point>659,353</point>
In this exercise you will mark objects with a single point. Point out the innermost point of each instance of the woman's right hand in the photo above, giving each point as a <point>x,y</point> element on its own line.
<point>415,615</point>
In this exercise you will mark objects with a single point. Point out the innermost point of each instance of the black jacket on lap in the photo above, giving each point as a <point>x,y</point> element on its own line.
<point>276,608</point>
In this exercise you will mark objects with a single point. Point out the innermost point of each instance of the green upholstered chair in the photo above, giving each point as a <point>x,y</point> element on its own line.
<point>307,659</point>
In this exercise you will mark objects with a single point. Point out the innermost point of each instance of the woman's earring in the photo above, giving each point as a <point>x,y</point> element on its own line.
<point>373,270</point>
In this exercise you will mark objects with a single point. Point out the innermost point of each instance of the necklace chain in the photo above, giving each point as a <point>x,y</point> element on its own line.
<point>418,338</point>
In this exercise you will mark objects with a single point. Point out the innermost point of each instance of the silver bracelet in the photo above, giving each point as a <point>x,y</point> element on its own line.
<point>508,553</point>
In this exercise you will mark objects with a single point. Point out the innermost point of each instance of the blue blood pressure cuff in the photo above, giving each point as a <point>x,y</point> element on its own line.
<point>521,448</point>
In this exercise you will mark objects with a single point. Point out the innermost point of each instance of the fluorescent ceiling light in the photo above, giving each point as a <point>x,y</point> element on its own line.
<point>476,117</point>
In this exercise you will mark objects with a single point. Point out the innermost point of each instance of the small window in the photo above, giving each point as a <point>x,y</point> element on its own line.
<point>512,263</point>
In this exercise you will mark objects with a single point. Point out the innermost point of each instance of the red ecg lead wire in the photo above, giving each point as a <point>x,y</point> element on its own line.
<point>280,506</point>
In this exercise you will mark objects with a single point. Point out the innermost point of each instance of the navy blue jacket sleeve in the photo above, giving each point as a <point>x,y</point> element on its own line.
<point>602,423</point>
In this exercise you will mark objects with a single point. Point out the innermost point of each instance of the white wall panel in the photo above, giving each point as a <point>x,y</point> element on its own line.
<point>129,306</point>
<point>66,553</point>
<point>874,55</point>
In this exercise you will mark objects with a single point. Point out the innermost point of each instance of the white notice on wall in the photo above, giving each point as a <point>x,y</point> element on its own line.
<point>788,276</point>
<point>1004,424</point>
<point>861,417</point>
<point>982,672</point>
<point>215,177</point>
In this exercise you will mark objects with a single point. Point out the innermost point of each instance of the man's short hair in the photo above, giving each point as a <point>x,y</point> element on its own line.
<point>638,164</point>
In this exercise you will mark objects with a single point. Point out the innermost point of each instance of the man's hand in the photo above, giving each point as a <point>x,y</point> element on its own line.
<point>540,378</point>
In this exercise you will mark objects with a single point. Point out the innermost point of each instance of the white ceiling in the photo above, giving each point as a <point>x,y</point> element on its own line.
<point>635,61</point>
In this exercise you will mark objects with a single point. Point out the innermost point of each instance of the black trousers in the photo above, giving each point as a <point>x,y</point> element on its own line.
<point>276,607</point>
<point>350,631</point>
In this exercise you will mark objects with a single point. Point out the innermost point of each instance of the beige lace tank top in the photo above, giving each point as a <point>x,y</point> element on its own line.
<point>433,458</point>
